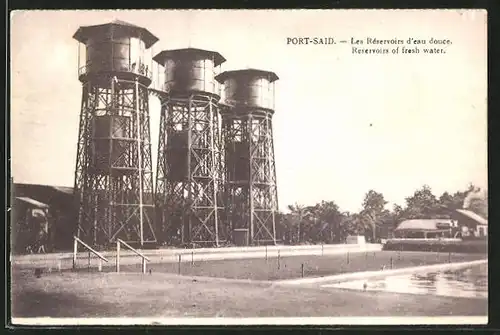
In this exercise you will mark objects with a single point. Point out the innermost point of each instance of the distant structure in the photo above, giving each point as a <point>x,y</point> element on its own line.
<point>113,179</point>
<point>188,183</point>
<point>250,176</point>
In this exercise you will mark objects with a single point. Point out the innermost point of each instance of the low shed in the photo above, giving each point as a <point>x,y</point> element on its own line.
<point>425,228</point>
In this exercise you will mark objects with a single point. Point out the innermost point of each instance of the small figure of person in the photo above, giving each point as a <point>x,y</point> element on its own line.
<point>41,241</point>
<point>41,230</point>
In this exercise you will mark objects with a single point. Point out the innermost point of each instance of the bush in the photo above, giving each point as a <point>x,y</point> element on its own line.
<point>476,246</point>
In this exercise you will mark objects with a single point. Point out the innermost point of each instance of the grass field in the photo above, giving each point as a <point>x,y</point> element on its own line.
<point>69,294</point>
<point>314,266</point>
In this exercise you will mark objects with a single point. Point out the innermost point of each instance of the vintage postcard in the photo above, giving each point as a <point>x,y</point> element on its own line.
<point>227,167</point>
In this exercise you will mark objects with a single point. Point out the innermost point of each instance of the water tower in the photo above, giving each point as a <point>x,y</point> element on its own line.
<point>113,178</point>
<point>188,182</point>
<point>250,179</point>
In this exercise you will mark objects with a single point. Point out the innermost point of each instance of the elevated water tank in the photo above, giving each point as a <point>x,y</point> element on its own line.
<point>190,70</point>
<point>116,47</point>
<point>248,87</point>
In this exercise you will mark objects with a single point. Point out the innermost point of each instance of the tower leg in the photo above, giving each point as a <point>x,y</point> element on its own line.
<point>113,177</point>
<point>189,170</point>
<point>250,175</point>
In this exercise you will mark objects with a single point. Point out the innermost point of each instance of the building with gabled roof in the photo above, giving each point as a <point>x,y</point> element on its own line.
<point>472,224</point>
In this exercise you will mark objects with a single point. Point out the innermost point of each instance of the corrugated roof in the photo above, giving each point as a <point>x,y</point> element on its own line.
<point>423,224</point>
<point>179,53</point>
<point>33,202</point>
<point>473,216</point>
<point>224,75</point>
<point>83,33</point>
<point>123,23</point>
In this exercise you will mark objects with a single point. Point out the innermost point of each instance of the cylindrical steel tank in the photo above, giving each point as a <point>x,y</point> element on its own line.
<point>112,139</point>
<point>114,47</point>
<point>190,70</point>
<point>120,54</point>
<point>252,88</point>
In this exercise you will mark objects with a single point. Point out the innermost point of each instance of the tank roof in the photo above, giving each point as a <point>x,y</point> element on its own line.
<point>166,54</point>
<point>84,32</point>
<point>226,74</point>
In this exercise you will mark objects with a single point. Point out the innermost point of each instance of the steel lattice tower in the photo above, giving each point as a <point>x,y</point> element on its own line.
<point>188,182</point>
<point>113,178</point>
<point>250,177</point>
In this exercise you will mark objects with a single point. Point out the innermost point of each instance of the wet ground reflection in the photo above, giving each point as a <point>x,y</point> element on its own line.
<point>471,282</point>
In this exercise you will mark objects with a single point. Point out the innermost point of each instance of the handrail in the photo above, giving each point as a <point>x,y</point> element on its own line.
<point>137,252</point>
<point>141,69</point>
<point>75,251</point>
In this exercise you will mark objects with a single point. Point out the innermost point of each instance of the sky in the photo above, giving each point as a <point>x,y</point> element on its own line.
<point>344,123</point>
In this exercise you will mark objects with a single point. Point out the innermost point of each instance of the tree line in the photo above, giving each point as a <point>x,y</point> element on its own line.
<point>325,222</point>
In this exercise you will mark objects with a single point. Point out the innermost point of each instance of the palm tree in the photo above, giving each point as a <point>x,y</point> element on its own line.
<point>299,214</point>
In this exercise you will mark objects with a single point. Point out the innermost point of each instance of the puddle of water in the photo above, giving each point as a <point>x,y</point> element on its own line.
<point>471,282</point>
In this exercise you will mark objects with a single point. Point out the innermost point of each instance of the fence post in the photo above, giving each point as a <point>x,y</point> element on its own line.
<point>278,259</point>
<point>266,252</point>
<point>302,270</point>
<point>117,256</point>
<point>59,265</point>
<point>449,256</point>
<point>179,269</point>
<point>89,262</point>
<point>192,257</point>
<point>347,256</point>
<point>100,265</point>
<point>391,263</point>
<point>143,265</point>
<point>75,251</point>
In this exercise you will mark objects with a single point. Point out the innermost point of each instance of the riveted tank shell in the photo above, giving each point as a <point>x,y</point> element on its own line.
<point>193,73</point>
<point>249,89</point>
<point>120,54</point>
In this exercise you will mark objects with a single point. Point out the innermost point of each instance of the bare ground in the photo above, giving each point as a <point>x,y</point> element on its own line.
<point>170,295</point>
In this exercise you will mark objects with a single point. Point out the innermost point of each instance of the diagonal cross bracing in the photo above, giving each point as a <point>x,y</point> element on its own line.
<point>189,170</point>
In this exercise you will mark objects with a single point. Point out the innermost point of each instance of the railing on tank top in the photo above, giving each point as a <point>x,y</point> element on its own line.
<point>144,258</point>
<point>76,240</point>
<point>137,68</point>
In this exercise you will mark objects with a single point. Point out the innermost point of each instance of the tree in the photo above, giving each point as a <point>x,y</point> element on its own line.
<point>452,202</point>
<point>398,214</point>
<point>422,205</point>
<point>477,201</point>
<point>473,198</point>
<point>298,216</point>
<point>373,212</point>
<point>327,221</point>
<point>281,225</point>
<point>353,224</point>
